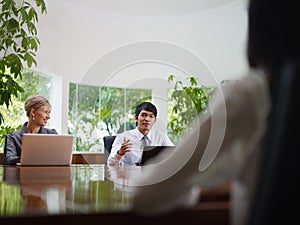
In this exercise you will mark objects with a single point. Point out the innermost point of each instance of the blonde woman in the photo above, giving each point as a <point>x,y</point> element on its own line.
<point>38,110</point>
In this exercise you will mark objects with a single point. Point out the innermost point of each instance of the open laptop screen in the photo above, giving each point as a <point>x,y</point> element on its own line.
<point>46,149</point>
<point>154,154</point>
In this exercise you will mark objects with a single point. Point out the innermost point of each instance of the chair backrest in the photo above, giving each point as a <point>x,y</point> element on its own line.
<point>1,158</point>
<point>108,141</point>
<point>277,190</point>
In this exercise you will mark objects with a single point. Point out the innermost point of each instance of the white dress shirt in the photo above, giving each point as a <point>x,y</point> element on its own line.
<point>155,138</point>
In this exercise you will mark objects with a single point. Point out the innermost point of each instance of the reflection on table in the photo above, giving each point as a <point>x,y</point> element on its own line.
<point>46,195</point>
<point>56,190</point>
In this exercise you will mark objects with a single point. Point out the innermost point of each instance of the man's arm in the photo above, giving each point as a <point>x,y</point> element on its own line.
<point>119,148</point>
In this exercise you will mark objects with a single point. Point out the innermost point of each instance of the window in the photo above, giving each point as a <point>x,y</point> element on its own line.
<point>33,83</point>
<point>95,112</point>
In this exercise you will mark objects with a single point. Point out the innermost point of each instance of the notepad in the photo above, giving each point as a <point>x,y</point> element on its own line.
<point>46,150</point>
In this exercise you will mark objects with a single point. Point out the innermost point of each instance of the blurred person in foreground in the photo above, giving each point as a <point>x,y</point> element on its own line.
<point>235,125</point>
<point>37,109</point>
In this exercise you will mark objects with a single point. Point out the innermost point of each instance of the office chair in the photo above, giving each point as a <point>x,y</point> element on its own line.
<point>108,141</point>
<point>277,190</point>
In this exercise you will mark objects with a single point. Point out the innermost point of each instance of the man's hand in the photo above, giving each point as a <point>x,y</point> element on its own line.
<point>125,147</point>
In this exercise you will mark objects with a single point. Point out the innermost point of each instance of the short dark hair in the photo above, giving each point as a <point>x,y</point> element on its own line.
<point>273,34</point>
<point>148,106</point>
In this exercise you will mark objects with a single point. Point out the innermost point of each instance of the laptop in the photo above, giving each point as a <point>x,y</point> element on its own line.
<point>154,154</point>
<point>46,150</point>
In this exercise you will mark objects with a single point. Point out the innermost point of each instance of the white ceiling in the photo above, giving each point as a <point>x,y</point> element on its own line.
<point>154,7</point>
<point>76,34</point>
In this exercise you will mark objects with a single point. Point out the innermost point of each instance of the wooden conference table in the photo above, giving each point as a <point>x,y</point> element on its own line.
<point>87,193</point>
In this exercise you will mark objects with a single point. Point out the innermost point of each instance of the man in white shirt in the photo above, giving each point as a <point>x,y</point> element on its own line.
<point>128,146</point>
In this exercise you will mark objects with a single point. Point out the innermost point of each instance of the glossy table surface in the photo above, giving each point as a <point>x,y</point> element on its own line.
<point>73,189</point>
<point>84,189</point>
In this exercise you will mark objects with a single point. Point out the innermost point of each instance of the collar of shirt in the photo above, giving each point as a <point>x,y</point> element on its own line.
<point>139,135</point>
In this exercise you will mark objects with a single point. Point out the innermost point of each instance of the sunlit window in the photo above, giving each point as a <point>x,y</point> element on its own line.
<point>33,83</point>
<point>95,112</point>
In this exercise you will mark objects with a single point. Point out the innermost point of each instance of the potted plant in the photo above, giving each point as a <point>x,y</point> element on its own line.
<point>187,100</point>
<point>18,47</point>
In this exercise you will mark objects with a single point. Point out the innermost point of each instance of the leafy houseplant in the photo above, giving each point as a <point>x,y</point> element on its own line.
<point>187,101</point>
<point>18,44</point>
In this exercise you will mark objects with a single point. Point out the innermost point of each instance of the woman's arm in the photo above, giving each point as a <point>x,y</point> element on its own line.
<point>12,149</point>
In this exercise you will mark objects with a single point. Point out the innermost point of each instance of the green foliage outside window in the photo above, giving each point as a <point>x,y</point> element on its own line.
<point>186,102</point>
<point>95,112</point>
<point>14,115</point>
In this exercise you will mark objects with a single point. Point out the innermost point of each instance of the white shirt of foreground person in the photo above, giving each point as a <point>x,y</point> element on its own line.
<point>237,120</point>
<point>155,138</point>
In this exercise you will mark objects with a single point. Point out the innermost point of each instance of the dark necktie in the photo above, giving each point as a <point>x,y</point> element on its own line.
<point>145,141</point>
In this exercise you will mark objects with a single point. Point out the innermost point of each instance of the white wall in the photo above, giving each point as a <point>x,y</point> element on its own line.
<point>88,44</point>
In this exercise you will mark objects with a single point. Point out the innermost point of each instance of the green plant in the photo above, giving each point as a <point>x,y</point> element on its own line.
<point>14,115</point>
<point>95,112</point>
<point>18,45</point>
<point>186,102</point>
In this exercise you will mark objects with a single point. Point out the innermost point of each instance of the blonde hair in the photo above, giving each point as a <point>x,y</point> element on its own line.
<point>35,102</point>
